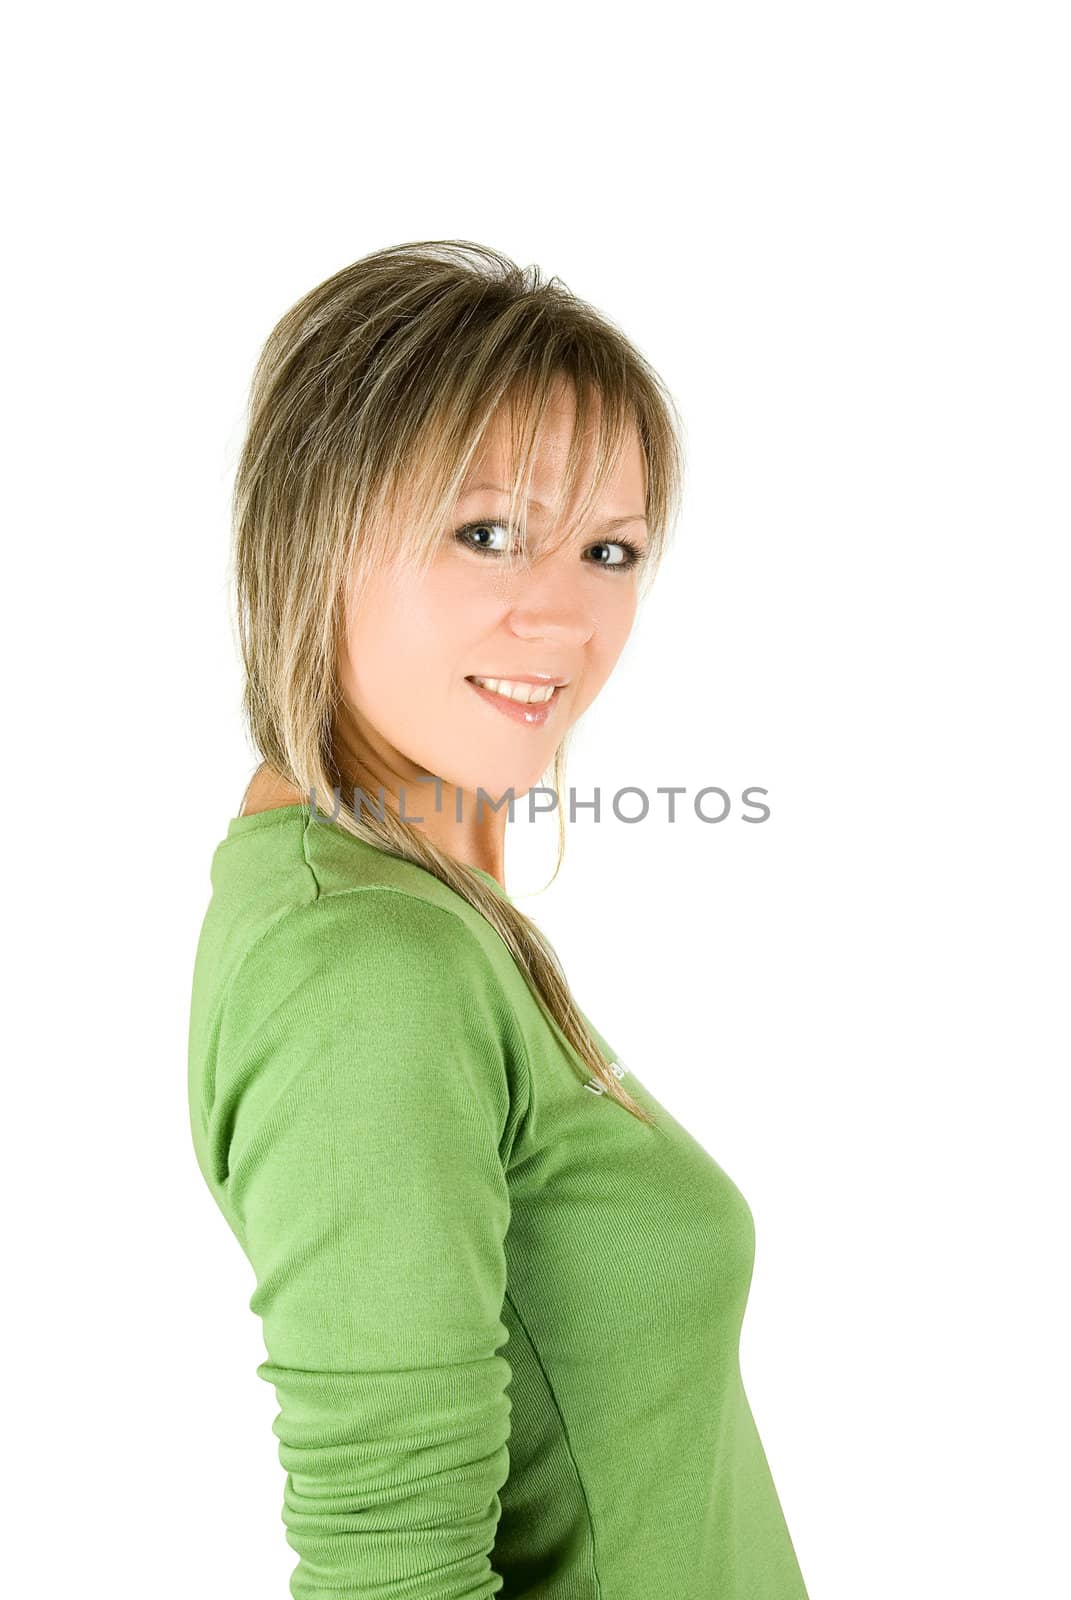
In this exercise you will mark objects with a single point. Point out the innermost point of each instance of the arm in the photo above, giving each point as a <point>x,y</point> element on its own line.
<point>366,1095</point>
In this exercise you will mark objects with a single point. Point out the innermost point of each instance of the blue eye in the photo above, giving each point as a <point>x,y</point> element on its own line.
<point>632,556</point>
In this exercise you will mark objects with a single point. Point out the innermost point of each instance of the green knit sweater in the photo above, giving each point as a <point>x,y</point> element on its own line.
<point>501,1315</point>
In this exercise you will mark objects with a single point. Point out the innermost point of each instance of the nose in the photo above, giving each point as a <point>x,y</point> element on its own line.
<point>548,604</point>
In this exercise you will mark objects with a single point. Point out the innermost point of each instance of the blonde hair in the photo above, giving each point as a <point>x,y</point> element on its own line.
<point>367,404</point>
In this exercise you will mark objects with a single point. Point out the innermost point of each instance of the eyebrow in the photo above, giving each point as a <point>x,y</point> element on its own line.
<point>604,527</point>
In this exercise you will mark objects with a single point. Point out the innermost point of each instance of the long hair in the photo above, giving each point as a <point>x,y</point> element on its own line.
<point>367,405</point>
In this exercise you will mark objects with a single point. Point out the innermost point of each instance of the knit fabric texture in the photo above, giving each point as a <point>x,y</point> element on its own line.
<point>500,1314</point>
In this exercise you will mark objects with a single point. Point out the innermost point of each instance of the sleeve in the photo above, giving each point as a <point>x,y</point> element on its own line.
<point>367,1087</point>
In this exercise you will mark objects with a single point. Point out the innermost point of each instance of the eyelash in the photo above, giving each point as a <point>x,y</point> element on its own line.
<point>634,554</point>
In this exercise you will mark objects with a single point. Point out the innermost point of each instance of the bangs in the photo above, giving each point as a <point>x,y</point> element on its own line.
<point>439,467</point>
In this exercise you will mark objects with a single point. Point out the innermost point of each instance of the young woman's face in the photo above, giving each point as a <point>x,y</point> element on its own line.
<point>413,644</point>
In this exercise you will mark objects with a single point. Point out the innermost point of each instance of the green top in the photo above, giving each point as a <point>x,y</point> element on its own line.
<point>501,1315</point>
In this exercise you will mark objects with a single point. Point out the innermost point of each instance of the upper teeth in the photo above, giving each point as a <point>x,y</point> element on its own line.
<point>530,693</point>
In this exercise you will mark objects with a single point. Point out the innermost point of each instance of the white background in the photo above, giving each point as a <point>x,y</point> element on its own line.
<point>841,234</point>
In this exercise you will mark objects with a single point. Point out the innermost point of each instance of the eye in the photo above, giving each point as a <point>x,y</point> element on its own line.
<point>632,556</point>
<point>462,535</point>
<point>628,555</point>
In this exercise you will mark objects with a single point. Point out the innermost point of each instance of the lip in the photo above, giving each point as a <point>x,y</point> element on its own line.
<point>524,677</point>
<point>516,710</point>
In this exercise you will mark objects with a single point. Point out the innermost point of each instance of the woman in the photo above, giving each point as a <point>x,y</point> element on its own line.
<point>501,1288</point>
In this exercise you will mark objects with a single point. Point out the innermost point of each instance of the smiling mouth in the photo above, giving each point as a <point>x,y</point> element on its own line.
<point>517,689</point>
<point>502,694</point>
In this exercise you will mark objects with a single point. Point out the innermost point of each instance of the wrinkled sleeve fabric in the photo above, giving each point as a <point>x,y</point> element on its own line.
<point>364,1096</point>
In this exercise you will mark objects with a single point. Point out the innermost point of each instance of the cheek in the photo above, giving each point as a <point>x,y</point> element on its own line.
<point>612,616</point>
<point>615,614</point>
<point>460,598</point>
<point>379,649</point>
<point>407,644</point>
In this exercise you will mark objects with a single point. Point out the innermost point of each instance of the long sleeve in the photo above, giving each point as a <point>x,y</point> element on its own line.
<point>363,1103</point>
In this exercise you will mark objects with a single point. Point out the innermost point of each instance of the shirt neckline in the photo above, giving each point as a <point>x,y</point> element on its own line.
<point>255,820</point>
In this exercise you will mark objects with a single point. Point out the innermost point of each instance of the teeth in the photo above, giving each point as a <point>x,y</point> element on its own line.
<point>526,693</point>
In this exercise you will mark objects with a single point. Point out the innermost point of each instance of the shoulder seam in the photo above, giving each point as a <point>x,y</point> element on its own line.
<point>337,894</point>
<point>375,888</point>
<point>274,822</point>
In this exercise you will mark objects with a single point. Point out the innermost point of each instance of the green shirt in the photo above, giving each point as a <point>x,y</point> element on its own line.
<point>501,1315</point>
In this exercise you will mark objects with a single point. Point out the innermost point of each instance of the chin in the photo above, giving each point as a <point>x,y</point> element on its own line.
<point>495,787</point>
<point>519,786</point>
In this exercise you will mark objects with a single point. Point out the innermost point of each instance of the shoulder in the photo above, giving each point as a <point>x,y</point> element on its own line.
<point>331,944</point>
<point>287,884</point>
<point>374,1003</point>
<point>376,940</point>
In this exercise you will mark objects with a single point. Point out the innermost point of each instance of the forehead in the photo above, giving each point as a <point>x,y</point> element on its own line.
<point>490,469</point>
